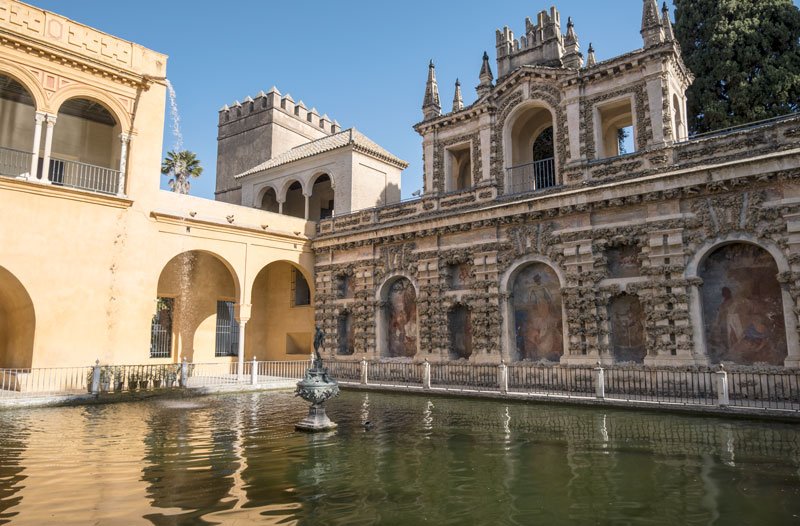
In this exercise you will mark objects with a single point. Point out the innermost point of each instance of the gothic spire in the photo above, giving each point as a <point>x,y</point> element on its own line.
<point>665,21</point>
<point>485,77</point>
<point>572,50</point>
<point>430,105</point>
<point>652,30</point>
<point>591,60</point>
<point>458,102</point>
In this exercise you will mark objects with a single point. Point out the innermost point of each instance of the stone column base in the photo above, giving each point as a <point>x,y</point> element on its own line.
<point>316,420</point>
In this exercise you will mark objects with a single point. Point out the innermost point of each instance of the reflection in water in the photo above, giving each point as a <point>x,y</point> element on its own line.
<point>232,458</point>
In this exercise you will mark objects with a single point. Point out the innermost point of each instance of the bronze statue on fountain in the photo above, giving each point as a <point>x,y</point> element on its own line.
<point>316,387</point>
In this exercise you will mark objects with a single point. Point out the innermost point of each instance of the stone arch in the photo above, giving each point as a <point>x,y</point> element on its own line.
<point>17,323</point>
<point>293,198</point>
<point>397,326</point>
<point>278,328</point>
<point>195,281</point>
<point>523,124</point>
<point>459,331</point>
<point>321,189</point>
<point>113,106</point>
<point>86,131</point>
<point>267,198</point>
<point>534,323</point>
<point>28,81</point>
<point>18,121</point>
<point>741,312</point>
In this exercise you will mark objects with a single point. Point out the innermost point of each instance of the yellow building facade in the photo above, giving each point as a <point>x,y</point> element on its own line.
<point>95,259</point>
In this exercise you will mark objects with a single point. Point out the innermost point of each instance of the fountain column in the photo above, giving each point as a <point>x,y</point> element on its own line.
<point>48,146</point>
<point>123,161</point>
<point>39,118</point>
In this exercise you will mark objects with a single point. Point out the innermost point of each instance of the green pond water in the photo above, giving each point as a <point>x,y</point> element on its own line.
<point>236,459</point>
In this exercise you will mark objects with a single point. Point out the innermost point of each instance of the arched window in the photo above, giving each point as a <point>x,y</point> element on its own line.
<point>321,200</point>
<point>295,204</point>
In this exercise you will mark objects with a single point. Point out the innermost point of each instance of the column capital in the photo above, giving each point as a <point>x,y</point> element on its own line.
<point>125,137</point>
<point>51,119</point>
<point>39,117</point>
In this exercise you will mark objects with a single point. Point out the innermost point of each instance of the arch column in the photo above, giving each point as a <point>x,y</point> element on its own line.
<point>124,138</point>
<point>307,198</point>
<point>280,206</point>
<point>39,117</point>
<point>242,316</point>
<point>48,146</point>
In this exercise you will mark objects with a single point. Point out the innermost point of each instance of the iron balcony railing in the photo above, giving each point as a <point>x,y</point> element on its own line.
<point>531,177</point>
<point>84,176</point>
<point>14,163</point>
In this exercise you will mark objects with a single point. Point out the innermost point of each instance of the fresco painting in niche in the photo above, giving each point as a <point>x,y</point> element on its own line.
<point>742,306</point>
<point>623,261</point>
<point>347,288</point>
<point>537,314</point>
<point>346,334</point>
<point>459,322</point>
<point>401,320</point>
<point>627,329</point>
<point>459,276</point>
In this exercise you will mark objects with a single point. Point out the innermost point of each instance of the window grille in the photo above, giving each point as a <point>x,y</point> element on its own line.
<point>227,330</point>
<point>161,329</point>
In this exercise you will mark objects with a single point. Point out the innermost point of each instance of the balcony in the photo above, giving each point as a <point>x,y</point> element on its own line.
<point>531,177</point>
<point>61,172</point>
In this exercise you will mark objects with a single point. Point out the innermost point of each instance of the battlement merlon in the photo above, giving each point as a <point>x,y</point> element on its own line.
<point>57,35</point>
<point>274,101</point>
<point>541,45</point>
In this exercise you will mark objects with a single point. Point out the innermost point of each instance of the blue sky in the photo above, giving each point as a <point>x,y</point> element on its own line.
<point>363,62</point>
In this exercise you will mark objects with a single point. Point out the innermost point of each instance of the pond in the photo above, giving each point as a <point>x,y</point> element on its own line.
<point>236,458</point>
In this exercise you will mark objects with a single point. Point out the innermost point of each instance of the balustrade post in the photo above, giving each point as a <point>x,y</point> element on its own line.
<point>722,387</point>
<point>254,372</point>
<point>502,377</point>
<point>599,381</point>
<point>184,372</point>
<point>363,372</point>
<point>96,377</point>
<point>426,375</point>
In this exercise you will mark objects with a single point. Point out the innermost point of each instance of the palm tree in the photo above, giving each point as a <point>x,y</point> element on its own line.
<point>181,166</point>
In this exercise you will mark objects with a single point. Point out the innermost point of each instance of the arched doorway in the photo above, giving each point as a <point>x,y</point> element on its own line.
<point>17,323</point>
<point>537,314</point>
<point>17,123</point>
<point>86,147</point>
<point>626,318</point>
<point>321,200</point>
<point>194,311</point>
<point>397,326</point>
<point>743,315</point>
<point>281,325</point>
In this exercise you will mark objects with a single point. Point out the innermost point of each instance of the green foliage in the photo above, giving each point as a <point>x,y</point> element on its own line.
<point>181,166</point>
<point>745,55</point>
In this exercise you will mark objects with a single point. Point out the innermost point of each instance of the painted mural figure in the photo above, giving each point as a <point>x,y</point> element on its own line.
<point>401,319</point>
<point>537,314</point>
<point>742,306</point>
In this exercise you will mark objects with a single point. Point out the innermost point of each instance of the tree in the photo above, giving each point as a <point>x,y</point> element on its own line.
<point>181,166</point>
<point>745,55</point>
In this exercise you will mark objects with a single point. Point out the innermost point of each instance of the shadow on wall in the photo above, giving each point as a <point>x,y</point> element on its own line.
<point>390,195</point>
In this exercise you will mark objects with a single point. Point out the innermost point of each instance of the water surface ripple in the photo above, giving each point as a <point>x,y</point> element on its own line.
<point>236,459</point>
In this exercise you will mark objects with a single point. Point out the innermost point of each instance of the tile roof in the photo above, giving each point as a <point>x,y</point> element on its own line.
<point>347,137</point>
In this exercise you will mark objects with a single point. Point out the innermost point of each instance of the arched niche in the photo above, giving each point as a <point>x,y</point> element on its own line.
<point>85,132</point>
<point>345,334</point>
<point>535,313</point>
<point>529,128</point>
<point>17,323</point>
<point>626,320</point>
<point>459,331</point>
<point>269,200</point>
<point>743,306</point>
<point>397,319</point>
<point>321,202</point>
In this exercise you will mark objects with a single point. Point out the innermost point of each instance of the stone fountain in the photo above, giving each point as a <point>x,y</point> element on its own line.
<point>316,387</point>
